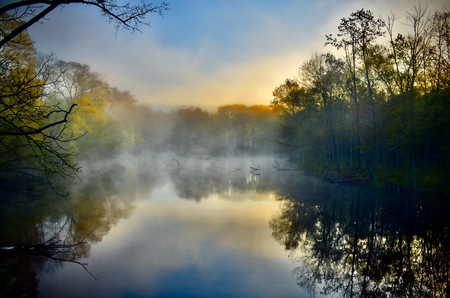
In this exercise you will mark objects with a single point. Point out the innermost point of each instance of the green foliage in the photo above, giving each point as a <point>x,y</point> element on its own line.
<point>33,147</point>
<point>380,113</point>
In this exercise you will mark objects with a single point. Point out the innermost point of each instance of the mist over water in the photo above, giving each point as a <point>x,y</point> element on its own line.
<point>163,224</point>
<point>197,227</point>
<point>193,208</point>
<point>193,178</point>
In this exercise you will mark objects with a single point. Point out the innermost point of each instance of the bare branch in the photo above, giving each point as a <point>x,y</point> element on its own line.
<point>24,26</point>
<point>125,16</point>
<point>41,129</point>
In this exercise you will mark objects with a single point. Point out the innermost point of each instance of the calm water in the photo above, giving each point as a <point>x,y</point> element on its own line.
<point>227,228</point>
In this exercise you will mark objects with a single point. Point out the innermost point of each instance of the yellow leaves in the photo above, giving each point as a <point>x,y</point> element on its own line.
<point>262,110</point>
<point>91,109</point>
<point>87,115</point>
<point>240,110</point>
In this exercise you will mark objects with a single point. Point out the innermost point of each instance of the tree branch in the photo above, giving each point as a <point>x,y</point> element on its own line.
<point>51,249</point>
<point>126,16</point>
<point>27,24</point>
<point>18,4</point>
<point>39,130</point>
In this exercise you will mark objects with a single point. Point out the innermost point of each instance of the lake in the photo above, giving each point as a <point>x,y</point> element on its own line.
<point>163,226</point>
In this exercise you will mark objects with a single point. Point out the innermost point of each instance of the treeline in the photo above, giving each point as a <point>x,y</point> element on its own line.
<point>232,130</point>
<point>378,112</point>
<point>112,122</point>
<point>56,114</point>
<point>186,131</point>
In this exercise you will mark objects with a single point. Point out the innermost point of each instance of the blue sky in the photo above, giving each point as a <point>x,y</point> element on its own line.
<point>204,53</point>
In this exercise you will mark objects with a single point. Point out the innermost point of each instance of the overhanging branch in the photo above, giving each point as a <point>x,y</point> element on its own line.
<point>125,16</point>
<point>41,129</point>
<point>27,24</point>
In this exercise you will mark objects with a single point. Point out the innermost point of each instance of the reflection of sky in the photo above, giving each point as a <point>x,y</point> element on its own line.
<point>174,247</point>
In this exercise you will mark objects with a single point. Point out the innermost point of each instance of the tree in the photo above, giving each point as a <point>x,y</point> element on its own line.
<point>323,75</point>
<point>380,112</point>
<point>291,98</point>
<point>357,35</point>
<point>410,55</point>
<point>29,12</point>
<point>36,144</point>
<point>300,132</point>
<point>245,129</point>
<point>440,37</point>
<point>77,84</point>
<point>33,145</point>
<point>190,132</point>
<point>24,78</point>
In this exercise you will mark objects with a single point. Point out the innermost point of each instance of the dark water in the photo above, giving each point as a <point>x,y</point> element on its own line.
<point>225,228</point>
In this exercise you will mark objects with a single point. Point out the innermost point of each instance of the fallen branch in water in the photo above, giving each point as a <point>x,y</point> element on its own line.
<point>52,249</point>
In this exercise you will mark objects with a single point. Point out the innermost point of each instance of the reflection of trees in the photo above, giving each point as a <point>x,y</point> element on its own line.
<point>197,179</point>
<point>358,242</point>
<point>43,241</point>
<point>43,238</point>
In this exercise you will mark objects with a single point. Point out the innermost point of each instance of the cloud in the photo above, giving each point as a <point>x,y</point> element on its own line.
<point>204,54</point>
<point>251,82</point>
<point>166,77</point>
<point>220,67</point>
<point>174,78</point>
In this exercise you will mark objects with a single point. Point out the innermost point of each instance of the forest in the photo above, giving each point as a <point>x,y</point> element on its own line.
<point>373,110</point>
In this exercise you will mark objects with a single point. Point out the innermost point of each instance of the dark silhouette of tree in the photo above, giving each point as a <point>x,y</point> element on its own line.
<point>127,16</point>
<point>376,115</point>
<point>356,36</point>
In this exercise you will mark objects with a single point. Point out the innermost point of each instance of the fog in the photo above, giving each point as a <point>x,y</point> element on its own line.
<point>194,178</point>
<point>165,199</point>
<point>137,148</point>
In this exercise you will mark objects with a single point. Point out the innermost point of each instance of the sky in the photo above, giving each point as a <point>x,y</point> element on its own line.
<point>204,53</point>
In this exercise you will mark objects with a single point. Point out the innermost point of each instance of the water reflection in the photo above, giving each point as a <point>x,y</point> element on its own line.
<point>105,194</point>
<point>197,179</point>
<point>43,237</point>
<point>361,242</point>
<point>141,238</point>
<point>172,247</point>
